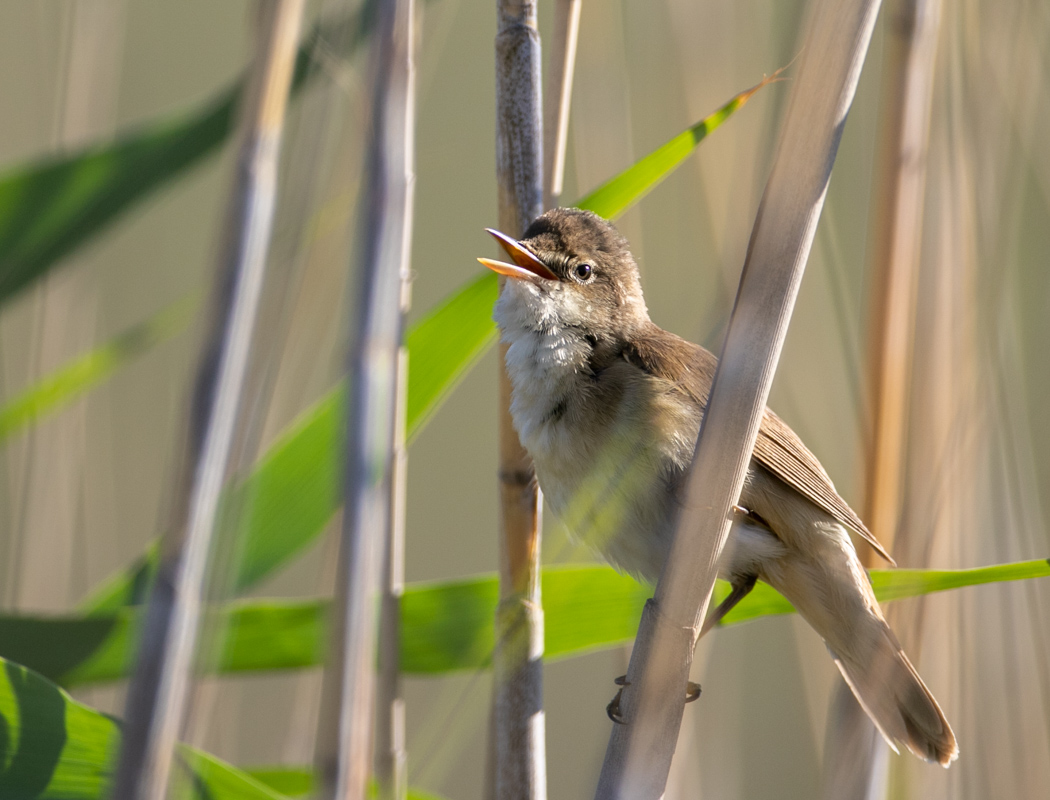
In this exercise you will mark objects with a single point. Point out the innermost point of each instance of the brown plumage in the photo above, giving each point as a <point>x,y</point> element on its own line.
<point>609,406</point>
<point>777,448</point>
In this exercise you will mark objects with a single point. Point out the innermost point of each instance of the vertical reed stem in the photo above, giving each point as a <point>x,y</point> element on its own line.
<point>391,756</point>
<point>157,697</point>
<point>558,97</point>
<point>345,736</point>
<point>856,755</point>
<point>520,769</point>
<point>639,755</point>
<point>896,241</point>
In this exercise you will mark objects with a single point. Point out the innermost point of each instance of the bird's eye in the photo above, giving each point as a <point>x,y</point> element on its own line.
<point>583,272</point>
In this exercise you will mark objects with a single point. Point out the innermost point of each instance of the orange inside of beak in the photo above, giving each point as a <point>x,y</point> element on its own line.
<point>526,265</point>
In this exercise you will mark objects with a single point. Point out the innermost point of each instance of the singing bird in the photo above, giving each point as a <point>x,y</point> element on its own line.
<point>609,406</point>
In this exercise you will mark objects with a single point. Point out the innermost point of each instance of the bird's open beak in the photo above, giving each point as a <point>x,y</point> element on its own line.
<point>528,267</point>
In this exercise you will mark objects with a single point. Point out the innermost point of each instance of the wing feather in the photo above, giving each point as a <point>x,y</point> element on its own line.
<point>691,369</point>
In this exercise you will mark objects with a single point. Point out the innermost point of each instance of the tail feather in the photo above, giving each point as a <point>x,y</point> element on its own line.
<point>891,692</point>
<point>831,591</point>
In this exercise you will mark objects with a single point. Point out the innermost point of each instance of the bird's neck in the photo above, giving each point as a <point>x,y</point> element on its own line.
<point>548,366</point>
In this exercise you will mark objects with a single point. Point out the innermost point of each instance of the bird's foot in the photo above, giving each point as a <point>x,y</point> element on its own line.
<point>613,709</point>
<point>692,693</point>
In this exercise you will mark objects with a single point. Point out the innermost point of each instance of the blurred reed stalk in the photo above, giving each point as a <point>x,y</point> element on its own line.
<point>520,759</point>
<point>911,47</point>
<point>157,696</point>
<point>53,460</point>
<point>638,758</point>
<point>939,503</point>
<point>856,756</point>
<point>391,762</point>
<point>558,97</point>
<point>345,735</point>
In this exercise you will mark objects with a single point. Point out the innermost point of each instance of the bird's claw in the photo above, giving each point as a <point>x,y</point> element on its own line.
<point>613,709</point>
<point>692,693</point>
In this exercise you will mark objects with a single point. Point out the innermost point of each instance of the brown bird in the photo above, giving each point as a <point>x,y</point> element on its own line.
<point>609,407</point>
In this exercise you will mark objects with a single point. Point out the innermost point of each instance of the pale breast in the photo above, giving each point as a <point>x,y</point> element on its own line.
<point>607,446</point>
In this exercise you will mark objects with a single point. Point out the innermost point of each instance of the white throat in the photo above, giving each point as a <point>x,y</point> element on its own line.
<point>547,353</point>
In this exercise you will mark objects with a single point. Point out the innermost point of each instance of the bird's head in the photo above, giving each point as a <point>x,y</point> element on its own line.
<point>571,269</point>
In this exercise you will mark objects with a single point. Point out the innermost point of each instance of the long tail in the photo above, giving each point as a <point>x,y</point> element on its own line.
<point>898,702</point>
<point>832,593</point>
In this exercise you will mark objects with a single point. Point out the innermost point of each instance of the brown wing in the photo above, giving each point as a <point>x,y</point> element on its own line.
<point>778,448</point>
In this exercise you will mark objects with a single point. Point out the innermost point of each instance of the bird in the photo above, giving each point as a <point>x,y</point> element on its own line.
<point>609,405</point>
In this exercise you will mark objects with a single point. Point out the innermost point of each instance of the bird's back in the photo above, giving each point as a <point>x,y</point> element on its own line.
<point>778,451</point>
